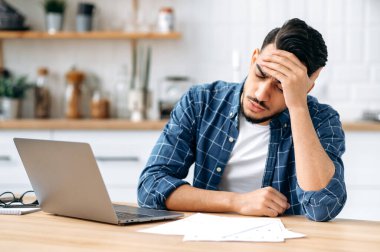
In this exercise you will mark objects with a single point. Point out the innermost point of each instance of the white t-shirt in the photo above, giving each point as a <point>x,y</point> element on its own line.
<point>245,168</point>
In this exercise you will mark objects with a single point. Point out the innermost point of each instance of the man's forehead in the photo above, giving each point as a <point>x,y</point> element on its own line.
<point>268,49</point>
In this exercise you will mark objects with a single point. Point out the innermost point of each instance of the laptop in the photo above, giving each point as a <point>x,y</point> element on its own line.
<point>67,182</point>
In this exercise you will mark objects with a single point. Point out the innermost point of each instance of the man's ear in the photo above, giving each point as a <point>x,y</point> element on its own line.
<point>311,87</point>
<point>255,54</point>
<point>313,77</point>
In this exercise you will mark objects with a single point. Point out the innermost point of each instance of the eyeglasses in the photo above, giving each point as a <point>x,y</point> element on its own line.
<point>27,199</point>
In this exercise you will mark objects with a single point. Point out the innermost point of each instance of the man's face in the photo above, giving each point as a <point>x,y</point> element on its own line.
<point>262,97</point>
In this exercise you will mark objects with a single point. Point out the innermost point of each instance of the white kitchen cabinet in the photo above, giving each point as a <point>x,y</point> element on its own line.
<point>12,173</point>
<point>362,176</point>
<point>121,156</point>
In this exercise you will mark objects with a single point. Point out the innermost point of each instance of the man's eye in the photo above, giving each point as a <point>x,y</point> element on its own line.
<point>279,87</point>
<point>260,77</point>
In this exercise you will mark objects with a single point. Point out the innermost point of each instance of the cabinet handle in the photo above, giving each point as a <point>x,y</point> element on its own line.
<point>5,158</point>
<point>118,159</point>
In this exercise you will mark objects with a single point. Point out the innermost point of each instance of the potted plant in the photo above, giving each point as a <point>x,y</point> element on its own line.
<point>54,10</point>
<point>12,90</point>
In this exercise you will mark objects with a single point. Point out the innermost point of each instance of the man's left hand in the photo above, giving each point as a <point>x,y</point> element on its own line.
<point>288,69</point>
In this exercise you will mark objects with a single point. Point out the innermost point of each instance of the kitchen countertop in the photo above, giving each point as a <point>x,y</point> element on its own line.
<point>120,124</point>
<point>81,124</point>
<point>361,126</point>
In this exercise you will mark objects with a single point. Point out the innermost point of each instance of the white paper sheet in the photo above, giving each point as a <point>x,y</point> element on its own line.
<point>207,227</point>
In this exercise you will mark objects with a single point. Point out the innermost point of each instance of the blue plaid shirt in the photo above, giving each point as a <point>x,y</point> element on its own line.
<point>203,129</point>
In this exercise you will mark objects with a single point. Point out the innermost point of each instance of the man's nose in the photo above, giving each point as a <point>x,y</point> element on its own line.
<point>263,92</point>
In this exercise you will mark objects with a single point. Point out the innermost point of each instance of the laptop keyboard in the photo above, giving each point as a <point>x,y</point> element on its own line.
<point>127,216</point>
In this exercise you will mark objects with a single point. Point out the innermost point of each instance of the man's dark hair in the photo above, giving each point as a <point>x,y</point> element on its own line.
<point>303,41</point>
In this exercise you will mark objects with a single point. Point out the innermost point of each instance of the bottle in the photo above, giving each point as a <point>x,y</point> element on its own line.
<point>136,101</point>
<point>73,94</point>
<point>42,95</point>
<point>121,93</point>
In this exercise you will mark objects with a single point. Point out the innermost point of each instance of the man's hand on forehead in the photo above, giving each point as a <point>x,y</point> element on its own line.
<point>288,69</point>
<point>284,59</point>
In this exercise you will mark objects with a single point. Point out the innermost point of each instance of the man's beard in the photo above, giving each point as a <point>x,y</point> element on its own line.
<point>254,120</point>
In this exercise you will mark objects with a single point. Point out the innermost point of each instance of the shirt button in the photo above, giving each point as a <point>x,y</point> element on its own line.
<point>285,125</point>
<point>218,169</point>
<point>231,114</point>
<point>231,139</point>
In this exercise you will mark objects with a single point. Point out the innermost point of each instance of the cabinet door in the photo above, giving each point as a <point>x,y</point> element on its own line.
<point>362,173</point>
<point>121,156</point>
<point>12,173</point>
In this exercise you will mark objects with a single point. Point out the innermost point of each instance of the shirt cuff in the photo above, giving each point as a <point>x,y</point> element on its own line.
<point>325,204</point>
<point>165,187</point>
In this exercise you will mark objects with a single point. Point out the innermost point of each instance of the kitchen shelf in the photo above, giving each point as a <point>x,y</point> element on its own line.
<point>88,35</point>
<point>361,126</point>
<point>122,124</point>
<point>81,124</point>
<point>133,36</point>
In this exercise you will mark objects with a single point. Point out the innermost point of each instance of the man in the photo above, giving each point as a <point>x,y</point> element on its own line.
<point>261,148</point>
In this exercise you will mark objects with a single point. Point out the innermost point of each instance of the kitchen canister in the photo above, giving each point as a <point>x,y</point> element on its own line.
<point>165,20</point>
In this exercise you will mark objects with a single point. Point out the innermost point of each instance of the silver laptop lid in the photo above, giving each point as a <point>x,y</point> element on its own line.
<point>66,179</point>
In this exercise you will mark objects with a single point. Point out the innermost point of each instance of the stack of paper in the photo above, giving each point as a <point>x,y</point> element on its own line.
<point>207,227</point>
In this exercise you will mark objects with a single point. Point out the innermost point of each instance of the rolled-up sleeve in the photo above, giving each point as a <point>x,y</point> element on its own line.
<point>171,157</point>
<point>326,204</point>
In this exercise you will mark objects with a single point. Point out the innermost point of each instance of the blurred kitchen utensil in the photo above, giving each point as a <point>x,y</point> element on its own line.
<point>171,89</point>
<point>371,115</point>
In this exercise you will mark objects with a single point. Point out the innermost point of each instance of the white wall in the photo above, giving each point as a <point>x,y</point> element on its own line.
<point>211,30</point>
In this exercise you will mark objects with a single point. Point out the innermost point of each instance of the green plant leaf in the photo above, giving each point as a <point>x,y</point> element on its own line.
<point>14,87</point>
<point>55,6</point>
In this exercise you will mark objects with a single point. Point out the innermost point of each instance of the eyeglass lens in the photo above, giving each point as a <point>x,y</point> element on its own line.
<point>28,197</point>
<point>7,198</point>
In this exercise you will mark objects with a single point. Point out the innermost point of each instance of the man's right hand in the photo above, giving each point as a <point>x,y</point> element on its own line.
<point>262,202</point>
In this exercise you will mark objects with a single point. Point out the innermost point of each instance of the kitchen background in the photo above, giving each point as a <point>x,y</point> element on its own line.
<point>212,30</point>
<point>217,38</point>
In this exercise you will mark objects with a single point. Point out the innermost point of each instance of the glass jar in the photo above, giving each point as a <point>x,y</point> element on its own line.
<point>99,105</point>
<point>166,20</point>
<point>121,88</point>
<point>42,95</point>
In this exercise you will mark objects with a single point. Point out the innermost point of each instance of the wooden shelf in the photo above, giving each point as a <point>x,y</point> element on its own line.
<point>81,124</point>
<point>87,35</point>
<point>122,124</point>
<point>361,126</point>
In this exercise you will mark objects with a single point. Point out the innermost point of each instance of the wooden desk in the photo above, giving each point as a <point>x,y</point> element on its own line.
<point>44,232</point>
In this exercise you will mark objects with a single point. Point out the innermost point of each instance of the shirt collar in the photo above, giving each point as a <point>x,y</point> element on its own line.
<point>234,112</point>
<point>282,120</point>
